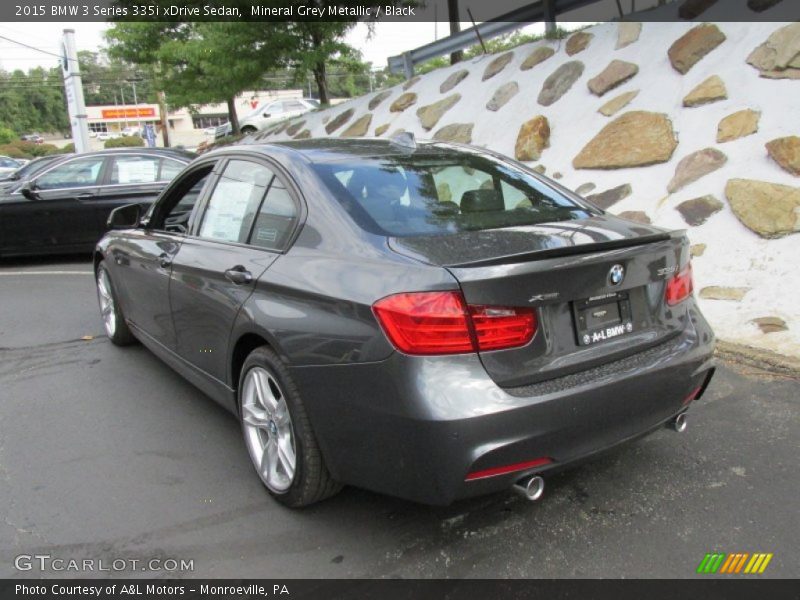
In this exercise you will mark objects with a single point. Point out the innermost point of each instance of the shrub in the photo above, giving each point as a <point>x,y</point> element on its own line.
<point>7,135</point>
<point>12,151</point>
<point>68,149</point>
<point>128,141</point>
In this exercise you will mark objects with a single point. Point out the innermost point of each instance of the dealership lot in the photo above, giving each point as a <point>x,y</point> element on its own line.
<point>106,453</point>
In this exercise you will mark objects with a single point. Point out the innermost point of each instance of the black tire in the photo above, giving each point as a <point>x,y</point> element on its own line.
<point>312,482</point>
<point>248,130</point>
<point>119,334</point>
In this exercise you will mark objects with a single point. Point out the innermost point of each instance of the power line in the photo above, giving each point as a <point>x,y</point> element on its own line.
<point>59,56</point>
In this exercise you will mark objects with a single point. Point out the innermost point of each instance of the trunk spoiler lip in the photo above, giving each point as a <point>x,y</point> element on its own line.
<point>568,250</point>
<point>548,253</point>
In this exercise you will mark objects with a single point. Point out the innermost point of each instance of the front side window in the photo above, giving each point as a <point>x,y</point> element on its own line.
<point>429,194</point>
<point>235,201</point>
<point>76,173</point>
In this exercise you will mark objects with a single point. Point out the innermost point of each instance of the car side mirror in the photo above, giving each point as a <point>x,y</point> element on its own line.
<point>125,217</point>
<point>28,191</point>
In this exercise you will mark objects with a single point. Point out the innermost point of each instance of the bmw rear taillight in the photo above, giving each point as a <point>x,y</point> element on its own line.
<point>680,286</point>
<point>442,323</point>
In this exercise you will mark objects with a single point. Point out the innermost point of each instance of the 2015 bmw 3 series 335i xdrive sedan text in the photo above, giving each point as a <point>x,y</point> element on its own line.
<point>427,320</point>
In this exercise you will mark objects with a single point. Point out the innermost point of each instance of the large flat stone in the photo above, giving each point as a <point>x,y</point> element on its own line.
<point>559,82</point>
<point>739,124</point>
<point>710,90</point>
<point>627,33</point>
<point>616,73</point>
<point>503,94</point>
<point>697,210</point>
<point>786,152</point>
<point>539,55</point>
<point>616,104</point>
<point>779,56</point>
<point>634,139</point>
<point>691,47</point>
<point>638,216</point>
<point>497,65</point>
<point>578,42</point>
<point>453,80</point>
<point>532,139</point>
<point>339,120</point>
<point>610,197</point>
<point>376,100</point>
<point>694,166</point>
<point>455,132</point>
<point>429,115</point>
<point>717,292</point>
<point>403,102</point>
<point>359,127</point>
<point>769,209</point>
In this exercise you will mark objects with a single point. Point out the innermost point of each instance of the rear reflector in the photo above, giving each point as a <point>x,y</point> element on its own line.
<point>538,462</point>
<point>426,323</point>
<point>680,286</point>
<point>694,393</point>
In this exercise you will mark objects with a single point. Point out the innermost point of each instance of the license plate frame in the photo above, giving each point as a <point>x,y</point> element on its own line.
<point>602,318</point>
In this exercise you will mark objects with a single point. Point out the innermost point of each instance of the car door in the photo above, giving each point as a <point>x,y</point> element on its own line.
<point>234,243</point>
<point>144,256</point>
<point>59,213</point>
<point>132,179</point>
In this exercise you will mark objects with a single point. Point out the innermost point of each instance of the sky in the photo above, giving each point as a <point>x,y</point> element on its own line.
<point>389,39</point>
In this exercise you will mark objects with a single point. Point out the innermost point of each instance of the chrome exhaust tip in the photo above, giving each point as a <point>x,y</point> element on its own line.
<point>679,423</point>
<point>531,487</point>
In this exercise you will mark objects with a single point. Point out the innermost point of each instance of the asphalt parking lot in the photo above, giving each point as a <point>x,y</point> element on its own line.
<point>107,453</point>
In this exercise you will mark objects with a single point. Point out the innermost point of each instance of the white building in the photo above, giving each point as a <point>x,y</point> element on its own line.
<point>114,118</point>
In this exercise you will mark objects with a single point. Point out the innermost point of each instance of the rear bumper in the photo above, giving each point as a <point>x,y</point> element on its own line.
<point>415,427</point>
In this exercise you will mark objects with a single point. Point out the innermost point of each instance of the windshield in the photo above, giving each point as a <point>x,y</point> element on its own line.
<point>420,194</point>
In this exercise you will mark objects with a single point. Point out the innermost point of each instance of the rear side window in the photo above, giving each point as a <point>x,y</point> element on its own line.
<point>275,220</point>
<point>134,169</point>
<point>429,194</point>
<point>235,201</point>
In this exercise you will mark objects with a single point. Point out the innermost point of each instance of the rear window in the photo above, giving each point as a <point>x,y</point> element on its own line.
<point>419,194</point>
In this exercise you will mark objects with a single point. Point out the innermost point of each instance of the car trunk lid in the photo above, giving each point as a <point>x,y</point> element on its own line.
<point>564,270</point>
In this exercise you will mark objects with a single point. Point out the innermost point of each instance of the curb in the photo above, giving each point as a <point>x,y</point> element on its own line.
<point>756,357</point>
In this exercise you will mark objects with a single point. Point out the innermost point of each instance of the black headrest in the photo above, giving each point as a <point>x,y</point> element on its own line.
<point>481,201</point>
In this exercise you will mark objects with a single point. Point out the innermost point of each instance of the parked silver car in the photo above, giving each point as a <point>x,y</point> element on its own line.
<point>269,114</point>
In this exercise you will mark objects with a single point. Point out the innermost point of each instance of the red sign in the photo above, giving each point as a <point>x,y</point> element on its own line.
<point>128,113</point>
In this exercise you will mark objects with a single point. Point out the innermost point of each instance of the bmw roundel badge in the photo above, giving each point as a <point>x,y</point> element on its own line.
<point>616,274</point>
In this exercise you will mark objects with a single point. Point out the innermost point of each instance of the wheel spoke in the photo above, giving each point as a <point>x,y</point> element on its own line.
<point>255,416</point>
<point>269,461</point>
<point>262,391</point>
<point>286,455</point>
<point>281,415</point>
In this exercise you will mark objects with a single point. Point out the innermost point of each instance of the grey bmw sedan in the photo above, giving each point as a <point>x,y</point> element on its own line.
<point>428,320</point>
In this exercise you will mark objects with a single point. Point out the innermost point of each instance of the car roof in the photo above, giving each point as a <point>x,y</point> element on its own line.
<point>171,152</point>
<point>320,150</point>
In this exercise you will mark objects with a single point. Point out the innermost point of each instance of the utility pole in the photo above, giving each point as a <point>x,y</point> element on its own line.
<point>73,87</point>
<point>455,27</point>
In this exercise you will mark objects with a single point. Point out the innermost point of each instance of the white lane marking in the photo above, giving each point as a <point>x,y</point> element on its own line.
<point>15,273</point>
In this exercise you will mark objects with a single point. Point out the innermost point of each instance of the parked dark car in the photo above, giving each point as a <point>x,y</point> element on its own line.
<point>13,179</point>
<point>431,321</point>
<point>64,206</point>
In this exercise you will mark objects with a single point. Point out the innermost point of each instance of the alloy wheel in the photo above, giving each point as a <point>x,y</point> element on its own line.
<point>268,430</point>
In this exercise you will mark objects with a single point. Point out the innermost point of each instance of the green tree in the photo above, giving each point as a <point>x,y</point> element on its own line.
<point>201,62</point>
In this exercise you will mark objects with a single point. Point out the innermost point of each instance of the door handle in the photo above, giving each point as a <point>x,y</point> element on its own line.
<point>165,260</point>
<point>238,275</point>
<point>85,196</point>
